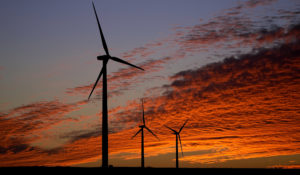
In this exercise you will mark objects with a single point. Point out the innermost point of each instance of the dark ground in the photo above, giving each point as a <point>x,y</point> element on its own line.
<point>169,171</point>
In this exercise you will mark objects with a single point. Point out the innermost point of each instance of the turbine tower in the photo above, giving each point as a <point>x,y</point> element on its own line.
<point>142,134</point>
<point>105,59</point>
<point>177,138</point>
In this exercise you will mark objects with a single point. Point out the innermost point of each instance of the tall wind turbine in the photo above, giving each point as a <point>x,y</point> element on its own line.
<point>142,142</point>
<point>105,59</point>
<point>177,138</point>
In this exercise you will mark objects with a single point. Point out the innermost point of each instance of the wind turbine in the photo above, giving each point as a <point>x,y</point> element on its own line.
<point>142,142</point>
<point>105,59</point>
<point>177,137</point>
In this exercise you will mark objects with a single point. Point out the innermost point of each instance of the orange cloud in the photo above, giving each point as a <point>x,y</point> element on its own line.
<point>238,109</point>
<point>23,126</point>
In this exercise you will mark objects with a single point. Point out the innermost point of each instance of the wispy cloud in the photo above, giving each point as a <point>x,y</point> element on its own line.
<point>124,78</point>
<point>238,108</point>
<point>23,126</point>
<point>228,32</point>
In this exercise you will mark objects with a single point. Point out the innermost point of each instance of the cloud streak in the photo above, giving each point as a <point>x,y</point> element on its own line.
<point>23,126</point>
<point>230,31</point>
<point>239,108</point>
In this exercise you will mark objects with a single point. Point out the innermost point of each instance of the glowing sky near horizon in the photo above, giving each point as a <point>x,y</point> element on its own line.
<point>232,67</point>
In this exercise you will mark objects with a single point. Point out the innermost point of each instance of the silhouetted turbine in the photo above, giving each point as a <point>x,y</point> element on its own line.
<point>105,59</point>
<point>177,137</point>
<point>142,142</point>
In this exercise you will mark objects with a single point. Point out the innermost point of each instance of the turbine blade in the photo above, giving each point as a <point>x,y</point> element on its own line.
<point>124,62</point>
<point>101,72</point>
<point>101,33</point>
<point>170,128</point>
<point>183,125</point>
<point>151,132</point>
<point>180,144</point>
<point>136,133</point>
<point>143,113</point>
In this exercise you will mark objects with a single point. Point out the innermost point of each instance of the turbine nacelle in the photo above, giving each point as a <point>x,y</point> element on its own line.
<point>103,57</point>
<point>176,133</point>
<point>142,126</point>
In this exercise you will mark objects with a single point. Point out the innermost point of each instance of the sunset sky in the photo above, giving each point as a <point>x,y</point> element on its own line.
<point>232,67</point>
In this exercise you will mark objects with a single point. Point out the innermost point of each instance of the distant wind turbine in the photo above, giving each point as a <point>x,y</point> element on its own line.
<point>177,137</point>
<point>105,59</point>
<point>142,142</point>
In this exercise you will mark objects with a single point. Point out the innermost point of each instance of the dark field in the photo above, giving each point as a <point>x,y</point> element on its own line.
<point>127,170</point>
